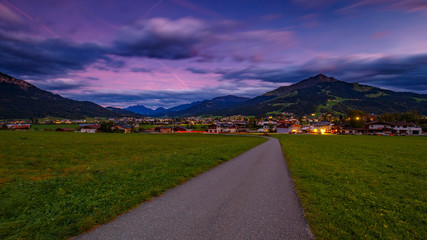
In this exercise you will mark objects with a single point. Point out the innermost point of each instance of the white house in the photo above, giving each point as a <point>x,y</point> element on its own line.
<point>399,128</point>
<point>406,128</point>
<point>90,128</point>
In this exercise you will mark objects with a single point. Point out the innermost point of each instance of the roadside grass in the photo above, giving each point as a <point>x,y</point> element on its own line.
<point>360,187</point>
<point>54,185</point>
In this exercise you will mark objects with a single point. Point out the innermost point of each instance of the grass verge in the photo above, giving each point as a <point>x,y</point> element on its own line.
<point>360,187</point>
<point>55,185</point>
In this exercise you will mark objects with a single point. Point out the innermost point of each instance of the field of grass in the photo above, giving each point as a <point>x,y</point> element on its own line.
<point>360,187</point>
<point>53,127</point>
<point>54,185</point>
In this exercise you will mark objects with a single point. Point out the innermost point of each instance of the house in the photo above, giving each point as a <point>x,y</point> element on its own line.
<point>163,129</point>
<point>89,128</point>
<point>126,128</point>
<point>242,129</point>
<point>288,128</point>
<point>267,126</point>
<point>19,126</point>
<point>215,128</point>
<point>180,129</point>
<point>150,130</point>
<point>345,129</point>
<point>229,128</point>
<point>405,128</point>
<point>391,128</point>
<point>305,128</point>
<point>321,127</point>
<point>222,128</point>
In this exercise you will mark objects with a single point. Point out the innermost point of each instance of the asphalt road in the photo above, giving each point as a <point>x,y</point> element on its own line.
<point>248,197</point>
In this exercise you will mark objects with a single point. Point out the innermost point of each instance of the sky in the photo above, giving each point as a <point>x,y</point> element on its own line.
<point>163,53</point>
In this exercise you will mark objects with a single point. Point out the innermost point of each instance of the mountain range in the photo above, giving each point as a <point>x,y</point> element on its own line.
<point>326,94</point>
<point>318,94</point>
<point>313,95</point>
<point>192,109</point>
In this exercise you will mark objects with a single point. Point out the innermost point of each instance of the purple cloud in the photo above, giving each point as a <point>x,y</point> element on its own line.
<point>10,20</point>
<point>163,38</point>
<point>61,84</point>
<point>189,38</point>
<point>22,55</point>
<point>396,5</point>
<point>411,6</point>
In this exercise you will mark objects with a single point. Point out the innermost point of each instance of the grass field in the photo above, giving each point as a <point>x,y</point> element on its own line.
<point>53,127</point>
<point>360,187</point>
<point>55,185</point>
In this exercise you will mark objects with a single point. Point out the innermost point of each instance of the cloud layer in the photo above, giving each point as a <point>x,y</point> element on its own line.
<point>404,73</point>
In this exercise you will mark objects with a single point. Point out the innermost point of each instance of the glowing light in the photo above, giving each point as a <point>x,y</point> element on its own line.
<point>357,118</point>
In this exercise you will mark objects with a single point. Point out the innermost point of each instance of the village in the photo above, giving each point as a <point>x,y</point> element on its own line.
<point>285,124</point>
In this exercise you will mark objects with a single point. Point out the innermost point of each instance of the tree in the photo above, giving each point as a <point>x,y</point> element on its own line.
<point>357,118</point>
<point>106,127</point>
<point>410,116</point>
<point>34,120</point>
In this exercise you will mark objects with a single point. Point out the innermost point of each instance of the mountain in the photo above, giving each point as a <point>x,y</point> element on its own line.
<point>182,107</point>
<point>123,112</point>
<point>211,107</point>
<point>327,94</point>
<point>190,109</point>
<point>20,99</point>
<point>140,110</point>
<point>318,94</point>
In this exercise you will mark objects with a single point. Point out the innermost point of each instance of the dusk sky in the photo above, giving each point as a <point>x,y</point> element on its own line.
<point>162,53</point>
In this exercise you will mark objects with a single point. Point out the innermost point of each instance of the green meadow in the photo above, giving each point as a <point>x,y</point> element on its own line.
<point>53,127</point>
<point>360,187</point>
<point>55,185</point>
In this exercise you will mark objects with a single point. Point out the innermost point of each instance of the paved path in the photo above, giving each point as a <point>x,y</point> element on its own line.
<point>248,197</point>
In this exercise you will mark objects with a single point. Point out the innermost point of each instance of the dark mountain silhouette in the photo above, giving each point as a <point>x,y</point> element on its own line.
<point>209,106</point>
<point>20,99</point>
<point>191,109</point>
<point>329,95</point>
<point>124,113</point>
<point>140,110</point>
